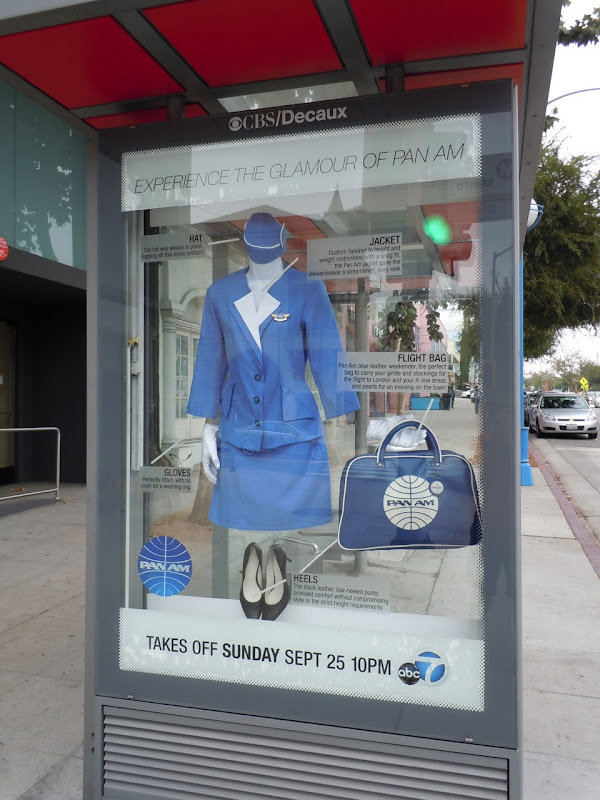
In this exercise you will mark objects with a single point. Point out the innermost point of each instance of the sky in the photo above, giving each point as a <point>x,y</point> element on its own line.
<point>576,68</point>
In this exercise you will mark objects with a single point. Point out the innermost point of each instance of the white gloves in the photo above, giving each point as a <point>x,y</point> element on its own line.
<point>210,457</point>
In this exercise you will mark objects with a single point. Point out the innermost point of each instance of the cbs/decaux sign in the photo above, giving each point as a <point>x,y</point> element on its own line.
<point>281,117</point>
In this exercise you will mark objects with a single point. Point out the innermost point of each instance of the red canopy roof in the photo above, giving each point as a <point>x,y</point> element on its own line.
<point>117,62</point>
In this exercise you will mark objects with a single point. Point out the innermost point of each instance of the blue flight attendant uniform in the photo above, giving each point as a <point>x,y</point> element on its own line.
<point>251,367</point>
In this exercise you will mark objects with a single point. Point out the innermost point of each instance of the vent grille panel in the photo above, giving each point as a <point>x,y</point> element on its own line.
<point>152,756</point>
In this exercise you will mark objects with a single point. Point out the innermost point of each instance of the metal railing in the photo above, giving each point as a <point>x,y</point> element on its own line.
<point>56,488</point>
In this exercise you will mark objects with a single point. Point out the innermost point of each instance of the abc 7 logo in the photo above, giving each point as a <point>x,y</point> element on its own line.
<point>427,667</point>
<point>235,123</point>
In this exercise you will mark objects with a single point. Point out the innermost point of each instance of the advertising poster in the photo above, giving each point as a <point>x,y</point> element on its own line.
<point>306,482</point>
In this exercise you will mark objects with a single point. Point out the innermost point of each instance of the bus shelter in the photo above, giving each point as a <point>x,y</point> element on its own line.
<point>303,241</point>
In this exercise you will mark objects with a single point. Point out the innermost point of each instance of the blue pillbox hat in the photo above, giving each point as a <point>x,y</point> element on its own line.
<point>264,238</point>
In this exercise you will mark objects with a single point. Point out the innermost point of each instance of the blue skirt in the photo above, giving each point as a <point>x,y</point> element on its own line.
<point>283,489</point>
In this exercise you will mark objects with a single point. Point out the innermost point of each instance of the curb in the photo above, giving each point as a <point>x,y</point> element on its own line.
<point>579,527</point>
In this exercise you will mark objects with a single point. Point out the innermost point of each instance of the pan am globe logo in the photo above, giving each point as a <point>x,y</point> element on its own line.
<point>427,667</point>
<point>164,566</point>
<point>411,502</point>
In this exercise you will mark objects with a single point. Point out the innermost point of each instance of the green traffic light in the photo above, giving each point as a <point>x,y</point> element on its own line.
<point>437,229</point>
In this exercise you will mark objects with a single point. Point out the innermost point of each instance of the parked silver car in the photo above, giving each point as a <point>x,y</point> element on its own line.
<point>562,412</point>
<point>593,399</point>
<point>530,400</point>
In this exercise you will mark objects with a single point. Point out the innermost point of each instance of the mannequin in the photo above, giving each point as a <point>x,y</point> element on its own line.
<point>260,278</point>
<point>263,446</point>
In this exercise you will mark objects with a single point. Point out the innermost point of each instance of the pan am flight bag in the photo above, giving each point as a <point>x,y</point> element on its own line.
<point>412,499</point>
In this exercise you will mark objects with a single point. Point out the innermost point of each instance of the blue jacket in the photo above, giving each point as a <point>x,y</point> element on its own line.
<point>252,365</point>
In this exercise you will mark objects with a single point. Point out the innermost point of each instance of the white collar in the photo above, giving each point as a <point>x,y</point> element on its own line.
<point>254,317</point>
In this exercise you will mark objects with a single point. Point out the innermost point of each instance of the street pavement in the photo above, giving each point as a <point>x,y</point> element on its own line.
<point>42,566</point>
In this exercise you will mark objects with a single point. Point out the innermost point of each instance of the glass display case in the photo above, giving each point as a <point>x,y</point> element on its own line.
<point>311,344</point>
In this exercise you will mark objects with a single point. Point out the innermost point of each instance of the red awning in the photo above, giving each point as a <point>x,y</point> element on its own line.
<point>121,66</point>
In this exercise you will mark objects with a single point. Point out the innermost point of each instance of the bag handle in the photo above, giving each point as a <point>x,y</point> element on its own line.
<point>432,443</point>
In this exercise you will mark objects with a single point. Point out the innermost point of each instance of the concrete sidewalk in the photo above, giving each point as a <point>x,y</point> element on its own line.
<point>42,601</point>
<point>561,652</point>
<point>42,549</point>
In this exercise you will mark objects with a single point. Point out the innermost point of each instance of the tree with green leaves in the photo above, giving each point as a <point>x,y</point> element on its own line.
<point>569,370</point>
<point>566,373</point>
<point>583,32</point>
<point>398,325</point>
<point>591,371</point>
<point>542,379</point>
<point>561,256</point>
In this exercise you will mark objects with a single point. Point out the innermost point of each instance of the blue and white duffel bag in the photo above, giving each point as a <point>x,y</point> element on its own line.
<point>413,499</point>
